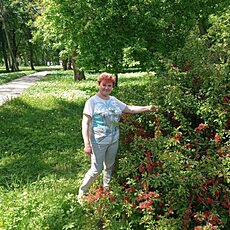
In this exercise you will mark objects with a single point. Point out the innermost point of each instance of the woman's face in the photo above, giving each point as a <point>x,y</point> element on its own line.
<point>105,88</point>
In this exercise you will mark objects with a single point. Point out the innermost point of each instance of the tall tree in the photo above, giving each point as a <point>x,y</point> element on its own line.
<point>60,25</point>
<point>14,65</point>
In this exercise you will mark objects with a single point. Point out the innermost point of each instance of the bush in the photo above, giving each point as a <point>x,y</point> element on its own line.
<point>173,167</point>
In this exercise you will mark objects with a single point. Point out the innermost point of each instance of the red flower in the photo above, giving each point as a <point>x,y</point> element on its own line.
<point>226,99</point>
<point>146,205</point>
<point>127,198</point>
<point>135,177</point>
<point>209,200</point>
<point>204,187</point>
<point>140,197</point>
<point>201,127</point>
<point>198,228</point>
<point>151,194</point>
<point>189,146</point>
<point>209,181</point>
<point>217,193</point>
<point>217,138</point>
<point>214,219</point>
<point>111,197</point>
<point>177,136</point>
<point>148,156</point>
<point>149,167</point>
<point>161,204</point>
<point>141,169</point>
<point>228,122</point>
<point>226,204</point>
<point>170,211</point>
<point>206,214</point>
<point>199,217</point>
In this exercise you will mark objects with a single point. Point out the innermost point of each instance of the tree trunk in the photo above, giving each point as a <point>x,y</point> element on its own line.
<point>5,55</point>
<point>31,56</point>
<point>116,83</point>
<point>69,63</point>
<point>78,74</point>
<point>13,58</point>
<point>202,27</point>
<point>64,64</point>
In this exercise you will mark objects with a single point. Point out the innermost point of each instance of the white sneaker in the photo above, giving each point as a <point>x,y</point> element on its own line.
<point>80,196</point>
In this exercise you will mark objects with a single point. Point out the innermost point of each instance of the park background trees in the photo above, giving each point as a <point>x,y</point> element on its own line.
<point>108,35</point>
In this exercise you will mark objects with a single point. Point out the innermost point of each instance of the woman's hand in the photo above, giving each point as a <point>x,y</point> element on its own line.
<point>88,149</point>
<point>154,108</point>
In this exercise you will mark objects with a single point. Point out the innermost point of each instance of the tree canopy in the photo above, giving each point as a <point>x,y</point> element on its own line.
<point>106,35</point>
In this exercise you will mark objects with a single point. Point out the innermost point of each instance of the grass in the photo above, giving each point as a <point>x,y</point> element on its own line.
<point>42,160</point>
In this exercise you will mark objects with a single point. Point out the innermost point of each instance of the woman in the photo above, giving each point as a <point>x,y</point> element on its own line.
<point>100,131</point>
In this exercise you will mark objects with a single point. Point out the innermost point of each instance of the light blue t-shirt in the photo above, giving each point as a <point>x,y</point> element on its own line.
<point>105,116</point>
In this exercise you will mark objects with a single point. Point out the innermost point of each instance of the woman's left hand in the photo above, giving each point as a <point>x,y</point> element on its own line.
<point>154,108</point>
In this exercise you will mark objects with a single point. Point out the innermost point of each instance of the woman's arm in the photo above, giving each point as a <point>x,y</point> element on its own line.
<point>86,121</point>
<point>140,109</point>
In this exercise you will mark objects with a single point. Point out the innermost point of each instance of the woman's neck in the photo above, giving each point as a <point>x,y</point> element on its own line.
<point>102,96</point>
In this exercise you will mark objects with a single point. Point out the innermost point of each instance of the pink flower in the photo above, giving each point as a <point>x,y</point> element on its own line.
<point>151,195</point>
<point>198,228</point>
<point>146,205</point>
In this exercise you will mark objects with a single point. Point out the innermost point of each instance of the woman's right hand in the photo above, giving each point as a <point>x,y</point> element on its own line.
<point>88,149</point>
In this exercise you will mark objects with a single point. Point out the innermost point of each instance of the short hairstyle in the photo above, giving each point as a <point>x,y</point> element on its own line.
<point>106,77</point>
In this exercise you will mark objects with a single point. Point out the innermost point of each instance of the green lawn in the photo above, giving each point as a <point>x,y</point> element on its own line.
<point>41,156</point>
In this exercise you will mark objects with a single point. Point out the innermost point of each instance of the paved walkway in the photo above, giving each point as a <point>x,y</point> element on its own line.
<point>14,88</point>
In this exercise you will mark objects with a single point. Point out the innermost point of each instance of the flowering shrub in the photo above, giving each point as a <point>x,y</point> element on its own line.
<point>173,167</point>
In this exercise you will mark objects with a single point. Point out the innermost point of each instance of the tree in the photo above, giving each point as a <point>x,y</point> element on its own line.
<point>59,25</point>
<point>14,65</point>
<point>101,34</point>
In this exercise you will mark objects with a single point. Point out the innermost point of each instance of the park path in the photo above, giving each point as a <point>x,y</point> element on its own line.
<point>14,88</point>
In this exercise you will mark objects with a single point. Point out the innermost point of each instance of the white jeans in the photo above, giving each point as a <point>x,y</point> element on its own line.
<point>103,157</point>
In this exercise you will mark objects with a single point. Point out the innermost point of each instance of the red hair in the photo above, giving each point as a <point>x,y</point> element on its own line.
<point>106,77</point>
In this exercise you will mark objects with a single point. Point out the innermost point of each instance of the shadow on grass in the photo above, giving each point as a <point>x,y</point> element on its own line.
<point>38,142</point>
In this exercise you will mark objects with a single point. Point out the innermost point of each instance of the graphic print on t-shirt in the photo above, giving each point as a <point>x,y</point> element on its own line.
<point>105,119</point>
<point>105,116</point>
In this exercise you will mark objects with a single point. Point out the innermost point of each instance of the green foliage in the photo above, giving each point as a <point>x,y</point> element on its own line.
<point>173,167</point>
<point>114,35</point>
